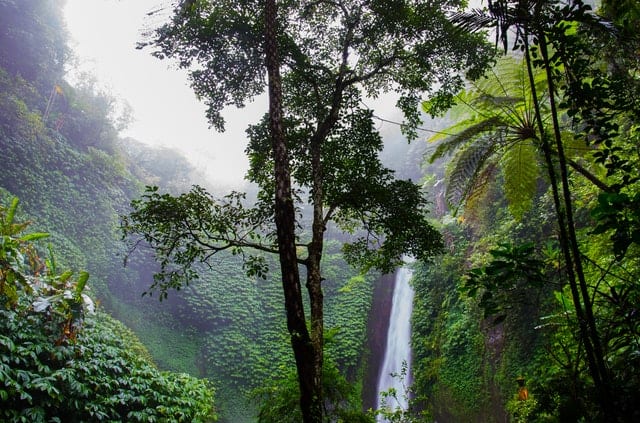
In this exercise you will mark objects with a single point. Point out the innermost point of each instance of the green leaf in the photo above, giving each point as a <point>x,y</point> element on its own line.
<point>34,236</point>
<point>8,221</point>
<point>520,170</point>
<point>465,132</point>
<point>81,283</point>
<point>468,164</point>
<point>65,276</point>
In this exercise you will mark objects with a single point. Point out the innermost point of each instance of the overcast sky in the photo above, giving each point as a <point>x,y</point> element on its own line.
<point>104,34</point>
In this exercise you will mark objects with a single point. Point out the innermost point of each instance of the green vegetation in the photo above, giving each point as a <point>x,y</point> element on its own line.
<point>279,398</point>
<point>62,157</point>
<point>538,284</point>
<point>315,156</point>
<point>547,262</point>
<point>60,361</point>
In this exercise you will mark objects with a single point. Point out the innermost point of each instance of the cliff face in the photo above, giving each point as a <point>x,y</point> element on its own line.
<point>377,338</point>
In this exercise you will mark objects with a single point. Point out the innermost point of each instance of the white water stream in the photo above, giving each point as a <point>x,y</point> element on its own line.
<point>398,349</point>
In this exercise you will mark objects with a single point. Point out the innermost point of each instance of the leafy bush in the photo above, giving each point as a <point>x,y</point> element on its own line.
<point>59,361</point>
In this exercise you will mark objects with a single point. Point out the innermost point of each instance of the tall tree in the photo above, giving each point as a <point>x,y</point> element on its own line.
<point>307,354</point>
<point>331,53</point>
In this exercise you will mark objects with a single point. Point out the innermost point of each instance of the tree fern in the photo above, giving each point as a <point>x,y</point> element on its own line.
<point>465,131</point>
<point>497,119</point>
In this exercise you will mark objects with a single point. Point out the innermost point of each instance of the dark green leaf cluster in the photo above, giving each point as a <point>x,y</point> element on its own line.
<point>58,362</point>
<point>512,275</point>
<point>620,214</point>
<point>98,376</point>
<point>193,227</point>
<point>359,192</point>
<point>395,224</point>
<point>404,45</point>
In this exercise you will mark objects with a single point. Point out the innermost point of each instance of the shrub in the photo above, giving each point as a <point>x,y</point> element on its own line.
<point>62,361</point>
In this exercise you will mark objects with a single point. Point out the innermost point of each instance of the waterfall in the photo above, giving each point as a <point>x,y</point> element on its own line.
<point>398,349</point>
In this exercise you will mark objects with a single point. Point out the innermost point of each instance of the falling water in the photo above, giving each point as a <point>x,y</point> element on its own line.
<point>398,349</point>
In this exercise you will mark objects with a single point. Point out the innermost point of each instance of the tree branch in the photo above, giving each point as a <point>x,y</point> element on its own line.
<point>590,176</point>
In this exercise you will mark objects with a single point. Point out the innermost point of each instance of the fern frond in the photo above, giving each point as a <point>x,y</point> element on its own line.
<point>12,211</point>
<point>468,165</point>
<point>520,171</point>
<point>473,20</point>
<point>466,132</point>
<point>498,81</point>
<point>488,100</point>
<point>479,190</point>
<point>461,109</point>
<point>507,85</point>
<point>451,131</point>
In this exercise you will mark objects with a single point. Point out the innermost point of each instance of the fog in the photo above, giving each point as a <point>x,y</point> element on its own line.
<point>165,110</point>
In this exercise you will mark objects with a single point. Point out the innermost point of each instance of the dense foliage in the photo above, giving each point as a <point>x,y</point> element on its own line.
<point>321,59</point>
<point>59,361</point>
<point>497,310</point>
<point>226,327</point>
<point>243,339</point>
<point>547,262</point>
<point>33,40</point>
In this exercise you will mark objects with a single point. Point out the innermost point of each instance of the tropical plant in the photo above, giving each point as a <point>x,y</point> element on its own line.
<point>511,276</point>
<point>560,40</point>
<point>279,398</point>
<point>59,361</point>
<point>495,129</point>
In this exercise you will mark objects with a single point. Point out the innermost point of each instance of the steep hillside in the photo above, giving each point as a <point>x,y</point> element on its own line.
<point>63,158</point>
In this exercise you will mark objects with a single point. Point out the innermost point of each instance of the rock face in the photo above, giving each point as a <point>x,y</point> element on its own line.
<point>377,337</point>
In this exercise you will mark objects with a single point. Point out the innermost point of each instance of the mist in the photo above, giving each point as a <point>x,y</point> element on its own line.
<point>164,110</point>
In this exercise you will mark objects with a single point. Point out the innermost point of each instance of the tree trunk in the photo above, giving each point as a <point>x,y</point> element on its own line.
<point>303,348</point>
<point>599,370</point>
<point>314,274</point>
<point>566,232</point>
